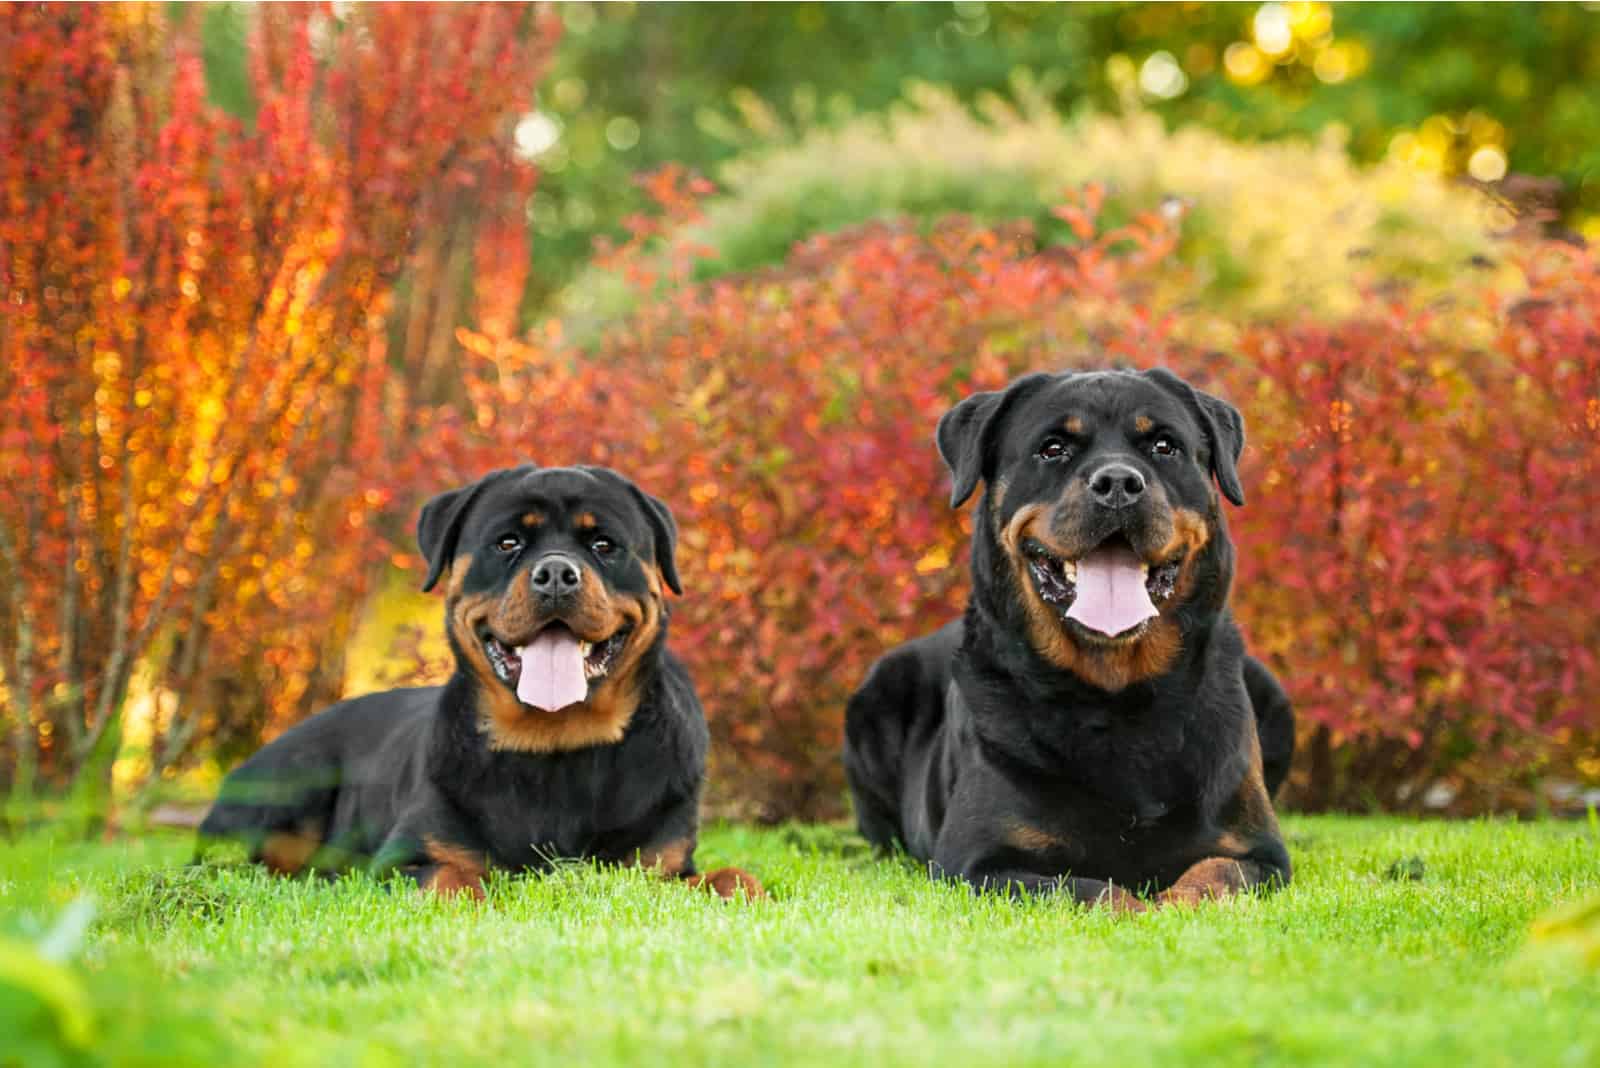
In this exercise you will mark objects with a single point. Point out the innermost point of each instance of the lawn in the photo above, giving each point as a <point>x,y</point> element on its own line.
<point>1398,943</point>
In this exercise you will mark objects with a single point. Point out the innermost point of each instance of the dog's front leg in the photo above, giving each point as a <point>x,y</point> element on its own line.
<point>674,859</point>
<point>437,862</point>
<point>1097,893</point>
<point>1007,854</point>
<point>1247,853</point>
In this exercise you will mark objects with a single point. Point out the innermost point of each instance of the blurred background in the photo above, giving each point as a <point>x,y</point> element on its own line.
<point>272,275</point>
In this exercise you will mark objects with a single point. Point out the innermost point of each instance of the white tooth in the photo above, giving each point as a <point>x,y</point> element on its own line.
<point>1070,569</point>
<point>584,647</point>
<point>1144,570</point>
<point>518,651</point>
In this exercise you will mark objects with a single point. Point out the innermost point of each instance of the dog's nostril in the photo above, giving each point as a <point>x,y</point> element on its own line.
<point>556,575</point>
<point>1116,485</point>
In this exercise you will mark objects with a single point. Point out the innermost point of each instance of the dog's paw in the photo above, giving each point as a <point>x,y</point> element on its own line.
<point>1208,880</point>
<point>454,882</point>
<point>729,882</point>
<point>1120,901</point>
<point>457,869</point>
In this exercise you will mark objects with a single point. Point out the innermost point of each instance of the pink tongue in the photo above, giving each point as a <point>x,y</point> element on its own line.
<point>552,671</point>
<point>1111,594</point>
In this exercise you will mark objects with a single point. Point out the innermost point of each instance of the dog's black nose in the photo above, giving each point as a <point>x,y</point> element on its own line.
<point>1116,485</point>
<point>556,576</point>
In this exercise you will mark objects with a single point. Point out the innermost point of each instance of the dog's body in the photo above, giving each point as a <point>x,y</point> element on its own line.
<point>1092,724</point>
<point>567,731</point>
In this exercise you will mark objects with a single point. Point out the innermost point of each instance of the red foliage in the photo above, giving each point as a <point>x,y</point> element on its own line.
<point>1423,528</point>
<point>194,392</point>
<point>1413,557</point>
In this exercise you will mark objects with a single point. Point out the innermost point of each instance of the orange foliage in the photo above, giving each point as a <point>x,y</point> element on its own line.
<point>195,391</point>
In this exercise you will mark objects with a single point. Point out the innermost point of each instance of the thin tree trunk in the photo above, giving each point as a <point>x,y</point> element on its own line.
<point>20,672</point>
<point>1319,788</point>
<point>72,697</point>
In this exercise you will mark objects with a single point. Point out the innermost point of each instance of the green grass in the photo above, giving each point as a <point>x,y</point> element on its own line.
<point>1398,943</point>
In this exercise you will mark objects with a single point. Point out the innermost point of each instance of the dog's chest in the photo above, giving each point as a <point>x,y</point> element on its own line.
<point>1124,773</point>
<point>530,820</point>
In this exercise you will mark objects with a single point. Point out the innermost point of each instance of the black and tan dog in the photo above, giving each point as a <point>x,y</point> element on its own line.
<point>567,731</point>
<point>1092,725</point>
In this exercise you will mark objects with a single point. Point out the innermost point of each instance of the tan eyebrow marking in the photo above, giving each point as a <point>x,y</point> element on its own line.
<point>1074,425</point>
<point>1142,424</point>
<point>533,519</point>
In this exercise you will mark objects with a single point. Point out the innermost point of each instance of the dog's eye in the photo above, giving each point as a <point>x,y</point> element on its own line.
<point>1165,446</point>
<point>603,546</point>
<point>1054,448</point>
<point>508,543</point>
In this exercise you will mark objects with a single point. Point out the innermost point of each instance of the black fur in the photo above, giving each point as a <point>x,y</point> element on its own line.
<point>977,752</point>
<point>379,781</point>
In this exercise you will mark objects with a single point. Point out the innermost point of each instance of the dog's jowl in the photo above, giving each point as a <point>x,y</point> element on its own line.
<point>1092,725</point>
<point>568,730</point>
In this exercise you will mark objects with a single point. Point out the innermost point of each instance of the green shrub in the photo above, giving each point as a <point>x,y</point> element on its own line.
<point>1270,228</point>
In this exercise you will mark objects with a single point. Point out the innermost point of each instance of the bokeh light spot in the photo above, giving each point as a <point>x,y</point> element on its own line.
<point>1245,64</point>
<point>1488,164</point>
<point>1272,30</point>
<point>1162,77</point>
<point>1332,65</point>
<point>622,133</point>
<point>536,133</point>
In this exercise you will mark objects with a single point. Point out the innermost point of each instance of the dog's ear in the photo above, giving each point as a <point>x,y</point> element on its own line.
<point>967,434</point>
<point>439,525</point>
<point>665,531</point>
<point>1223,426</point>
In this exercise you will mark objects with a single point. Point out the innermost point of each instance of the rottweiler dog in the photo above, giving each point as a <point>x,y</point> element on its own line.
<point>1092,725</point>
<point>568,730</point>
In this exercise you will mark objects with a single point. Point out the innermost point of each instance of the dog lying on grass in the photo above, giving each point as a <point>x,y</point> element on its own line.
<point>567,731</point>
<point>1092,725</point>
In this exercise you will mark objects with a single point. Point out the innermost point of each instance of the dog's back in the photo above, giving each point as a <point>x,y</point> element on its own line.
<point>896,712</point>
<point>307,785</point>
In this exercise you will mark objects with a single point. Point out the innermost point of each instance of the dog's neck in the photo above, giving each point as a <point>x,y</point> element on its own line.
<point>996,653</point>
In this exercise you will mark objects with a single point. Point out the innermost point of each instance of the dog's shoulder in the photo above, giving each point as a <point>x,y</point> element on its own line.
<point>924,663</point>
<point>670,737</point>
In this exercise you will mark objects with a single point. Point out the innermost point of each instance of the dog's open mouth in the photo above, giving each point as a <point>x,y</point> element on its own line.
<point>554,668</point>
<point>1109,591</point>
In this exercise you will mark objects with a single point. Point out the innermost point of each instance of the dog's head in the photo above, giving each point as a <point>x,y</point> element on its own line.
<point>1100,520</point>
<point>555,604</point>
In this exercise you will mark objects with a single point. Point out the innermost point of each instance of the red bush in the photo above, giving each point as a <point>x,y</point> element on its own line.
<point>194,372</point>
<point>1422,610</point>
<point>1423,531</point>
